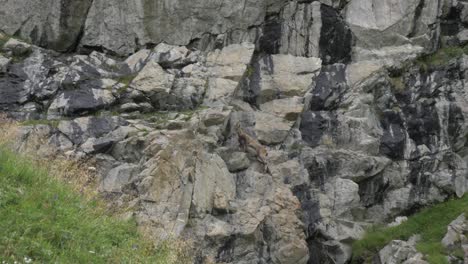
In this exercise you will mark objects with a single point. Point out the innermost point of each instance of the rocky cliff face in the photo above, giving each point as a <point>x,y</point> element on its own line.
<point>356,128</point>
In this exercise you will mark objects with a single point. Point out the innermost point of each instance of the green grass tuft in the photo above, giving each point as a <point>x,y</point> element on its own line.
<point>431,223</point>
<point>398,83</point>
<point>126,81</point>
<point>3,39</point>
<point>52,123</point>
<point>44,220</point>
<point>442,56</point>
<point>250,70</point>
<point>20,55</point>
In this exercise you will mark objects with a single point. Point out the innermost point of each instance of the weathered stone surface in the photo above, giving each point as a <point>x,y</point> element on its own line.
<point>343,163</point>
<point>97,145</point>
<point>220,89</point>
<point>225,69</point>
<point>280,76</point>
<point>288,172</point>
<point>17,47</point>
<point>138,60</point>
<point>235,161</point>
<point>336,38</point>
<point>55,24</point>
<point>118,177</point>
<point>399,251</point>
<point>77,102</point>
<point>456,233</point>
<point>4,63</point>
<point>231,62</point>
<point>153,80</point>
<point>165,187</point>
<point>80,129</point>
<point>271,129</point>
<point>287,108</point>
<point>360,71</point>
<point>176,23</point>
<point>296,31</point>
<point>214,185</point>
<point>390,56</point>
<point>343,194</point>
<point>359,136</point>
<point>329,88</point>
<point>169,56</point>
<point>409,22</point>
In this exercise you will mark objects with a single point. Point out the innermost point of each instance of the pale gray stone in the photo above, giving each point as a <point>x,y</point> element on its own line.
<point>118,177</point>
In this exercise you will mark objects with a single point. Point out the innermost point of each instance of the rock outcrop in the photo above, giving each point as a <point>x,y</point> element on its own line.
<point>399,251</point>
<point>455,240</point>
<point>359,121</point>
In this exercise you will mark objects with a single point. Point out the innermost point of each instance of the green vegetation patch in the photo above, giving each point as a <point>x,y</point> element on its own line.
<point>127,79</point>
<point>124,82</point>
<point>20,57</point>
<point>42,220</point>
<point>250,70</point>
<point>431,223</point>
<point>442,56</point>
<point>398,83</point>
<point>52,123</point>
<point>3,39</point>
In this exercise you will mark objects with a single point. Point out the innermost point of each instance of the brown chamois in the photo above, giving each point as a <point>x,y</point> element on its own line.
<point>251,145</point>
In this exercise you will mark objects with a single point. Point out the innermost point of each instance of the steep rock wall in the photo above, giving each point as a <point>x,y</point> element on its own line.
<point>357,129</point>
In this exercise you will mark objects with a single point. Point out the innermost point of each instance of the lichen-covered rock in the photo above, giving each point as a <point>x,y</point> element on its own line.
<point>399,251</point>
<point>55,24</point>
<point>287,108</point>
<point>176,23</point>
<point>344,128</point>
<point>281,76</point>
<point>118,177</point>
<point>153,80</point>
<point>456,234</point>
<point>4,63</point>
<point>81,129</point>
<point>409,23</point>
<point>271,129</point>
<point>83,101</point>
<point>214,185</point>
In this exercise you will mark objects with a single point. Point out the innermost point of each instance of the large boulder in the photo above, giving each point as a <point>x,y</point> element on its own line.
<point>118,177</point>
<point>271,129</point>
<point>81,129</point>
<point>214,185</point>
<point>76,102</point>
<point>399,251</point>
<point>230,62</point>
<point>226,68</point>
<point>456,233</point>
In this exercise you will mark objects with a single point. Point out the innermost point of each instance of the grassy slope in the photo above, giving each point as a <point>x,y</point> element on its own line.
<point>431,223</point>
<point>44,220</point>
